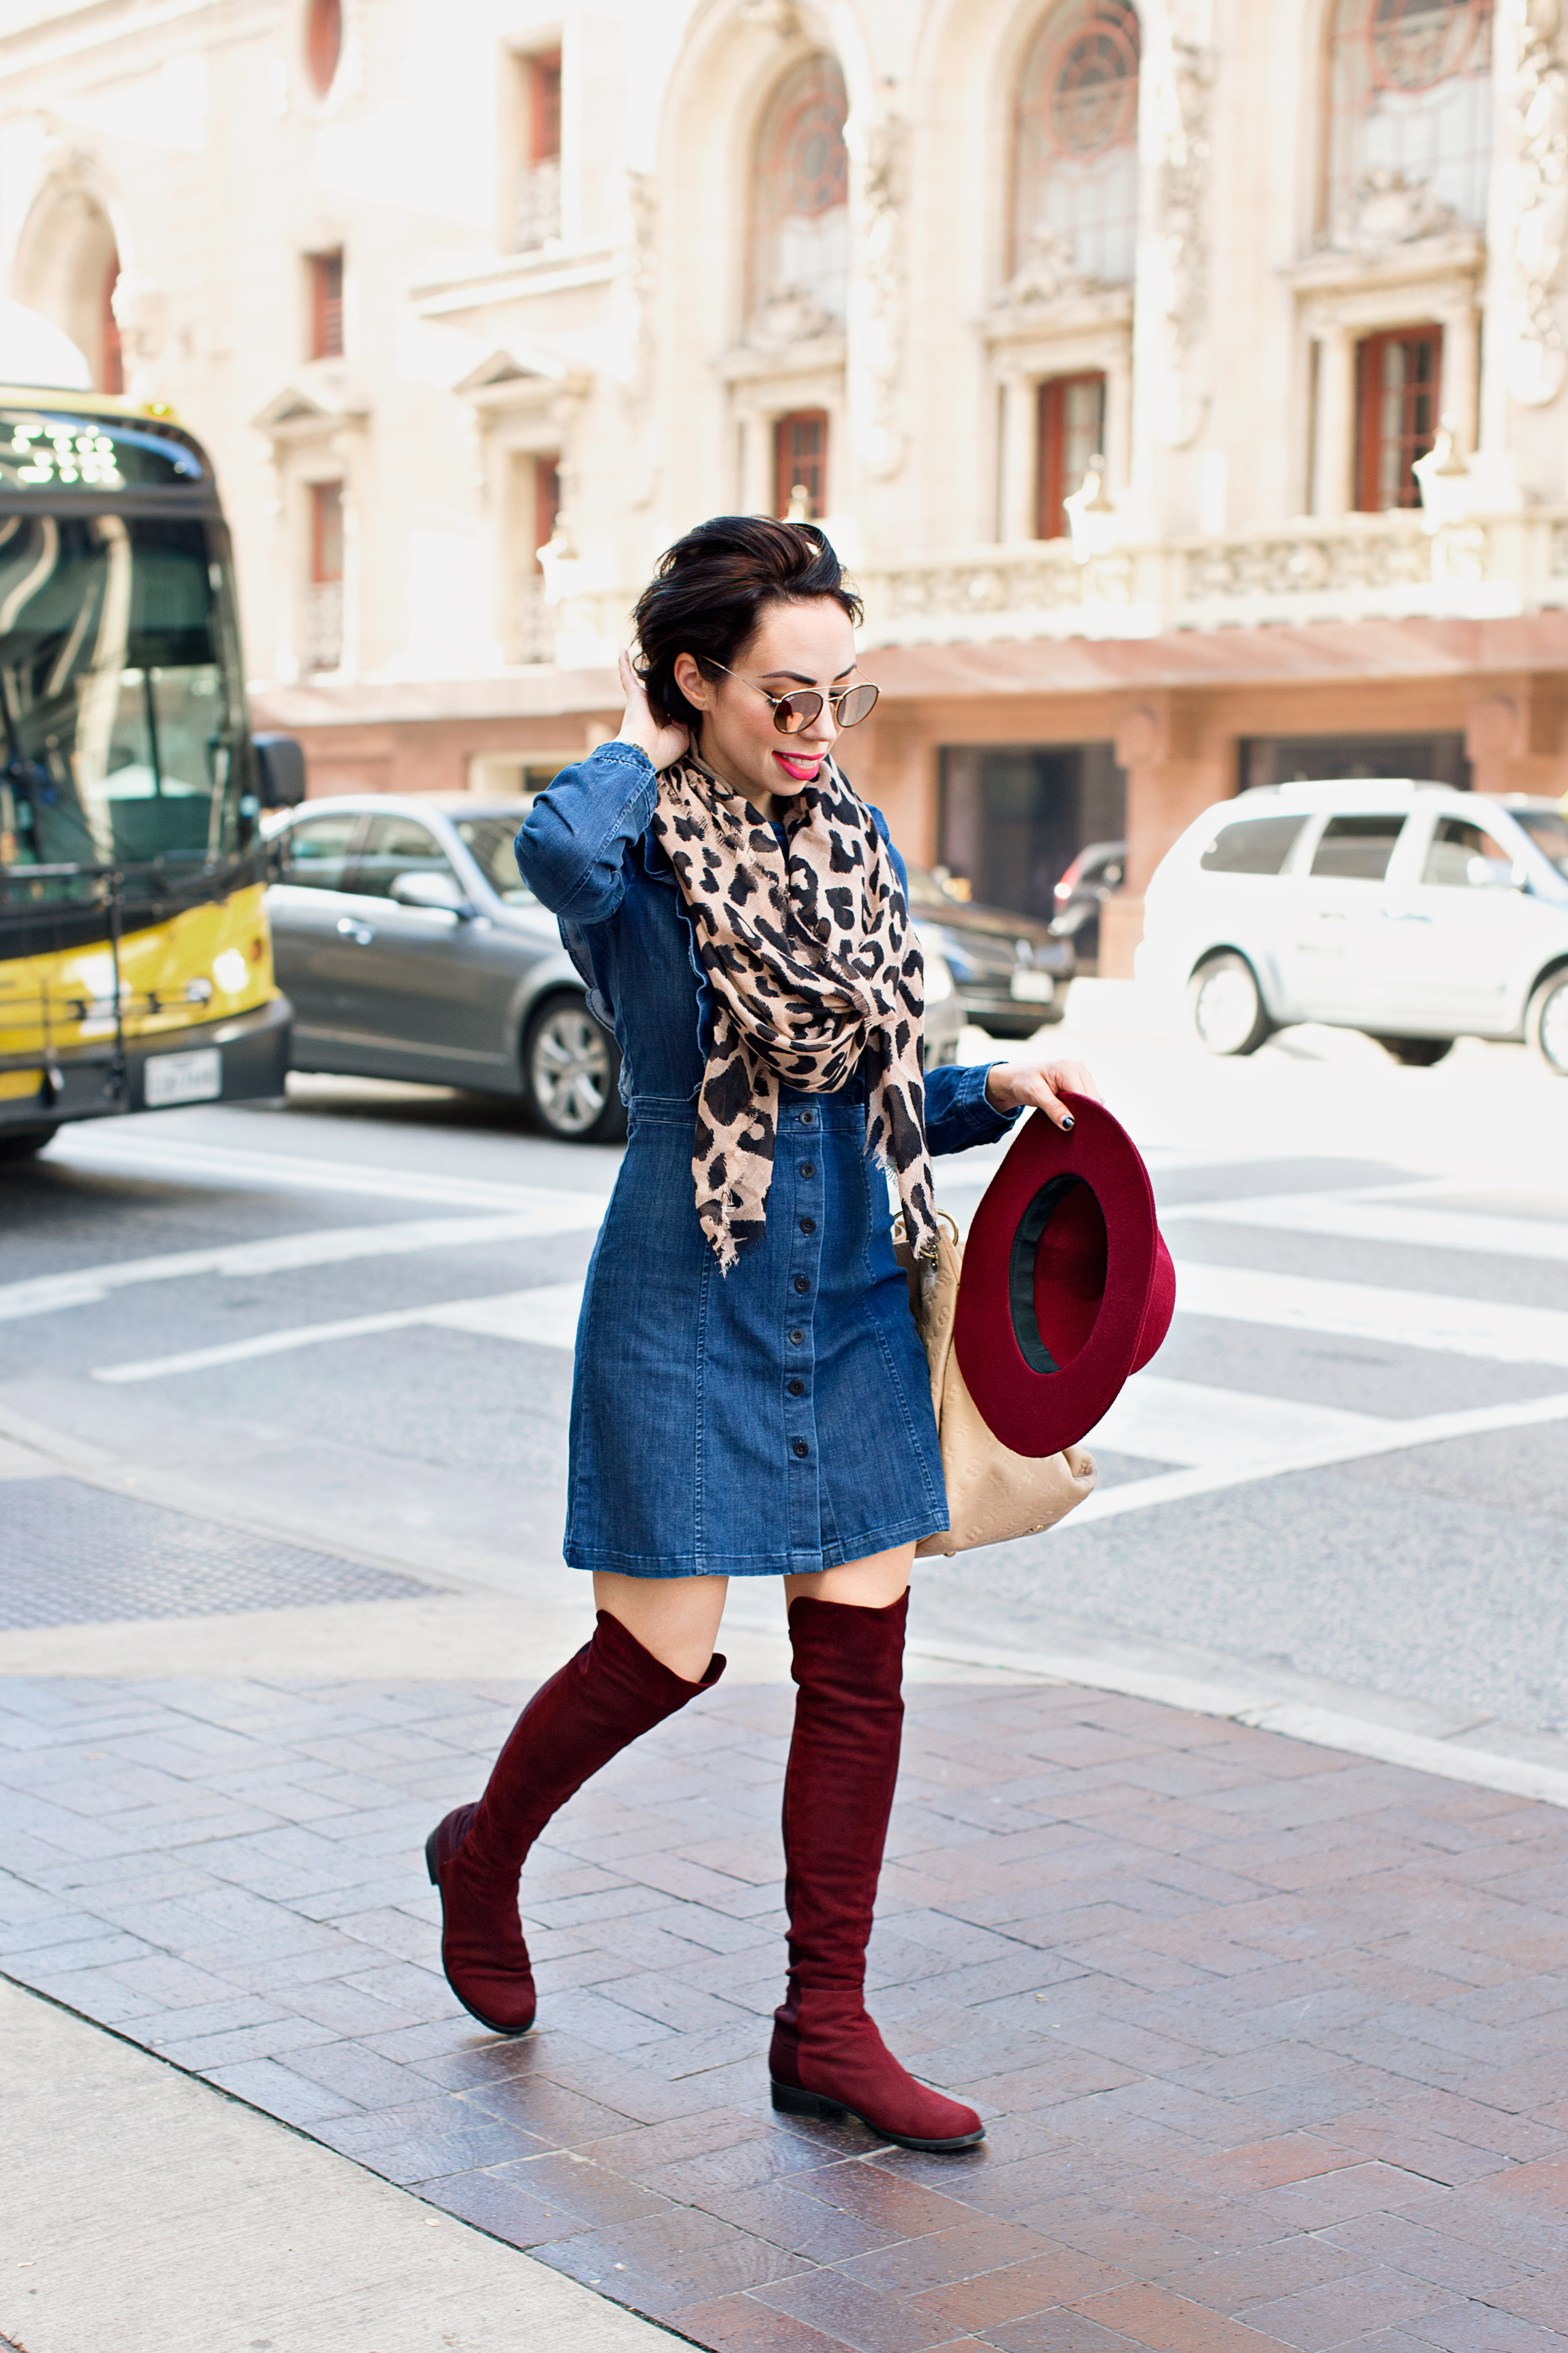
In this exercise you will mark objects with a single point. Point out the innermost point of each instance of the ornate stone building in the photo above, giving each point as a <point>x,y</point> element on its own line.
<point>1185,383</point>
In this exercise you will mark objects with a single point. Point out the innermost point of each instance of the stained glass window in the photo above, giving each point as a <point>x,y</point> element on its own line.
<point>1076,157</point>
<point>1412,96</point>
<point>800,247</point>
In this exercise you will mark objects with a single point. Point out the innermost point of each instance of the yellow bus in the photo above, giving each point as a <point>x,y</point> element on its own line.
<point>135,967</point>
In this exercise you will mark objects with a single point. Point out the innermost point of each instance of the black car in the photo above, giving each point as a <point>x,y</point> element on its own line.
<point>1083,890</point>
<point>1010,974</point>
<point>412,948</point>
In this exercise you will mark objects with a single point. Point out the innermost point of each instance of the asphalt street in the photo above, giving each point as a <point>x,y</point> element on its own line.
<point>347,1319</point>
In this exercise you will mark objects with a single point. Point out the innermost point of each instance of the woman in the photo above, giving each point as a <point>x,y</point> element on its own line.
<point>751,1398</point>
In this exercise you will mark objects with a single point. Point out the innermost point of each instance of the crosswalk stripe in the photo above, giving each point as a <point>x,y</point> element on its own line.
<point>86,1286</point>
<point>1364,1311</point>
<point>1190,1423</point>
<point>173,1159</point>
<point>1347,1218</point>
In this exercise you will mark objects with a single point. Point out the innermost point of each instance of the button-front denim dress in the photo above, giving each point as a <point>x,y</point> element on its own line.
<point>777,1419</point>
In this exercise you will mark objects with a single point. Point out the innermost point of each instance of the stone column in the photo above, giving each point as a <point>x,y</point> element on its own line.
<point>1019,519</point>
<point>1461,357</point>
<point>1333,491</point>
<point>1172,774</point>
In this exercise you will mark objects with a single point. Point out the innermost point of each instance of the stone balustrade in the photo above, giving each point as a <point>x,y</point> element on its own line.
<point>1355,567</point>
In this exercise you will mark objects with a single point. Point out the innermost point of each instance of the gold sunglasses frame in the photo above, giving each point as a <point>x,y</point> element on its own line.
<point>801,694</point>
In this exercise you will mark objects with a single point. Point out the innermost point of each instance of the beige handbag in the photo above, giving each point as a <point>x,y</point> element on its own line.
<point>993,1494</point>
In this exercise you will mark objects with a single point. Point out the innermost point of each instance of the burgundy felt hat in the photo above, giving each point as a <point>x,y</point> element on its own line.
<point>1066,1286</point>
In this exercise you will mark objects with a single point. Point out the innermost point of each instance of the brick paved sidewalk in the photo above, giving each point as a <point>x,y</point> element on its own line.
<point>1272,2043</point>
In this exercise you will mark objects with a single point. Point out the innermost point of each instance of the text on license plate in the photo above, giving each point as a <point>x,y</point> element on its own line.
<point>196,1076</point>
<point>1034,987</point>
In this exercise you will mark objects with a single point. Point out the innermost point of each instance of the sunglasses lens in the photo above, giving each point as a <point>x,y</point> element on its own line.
<point>793,711</point>
<point>857,705</point>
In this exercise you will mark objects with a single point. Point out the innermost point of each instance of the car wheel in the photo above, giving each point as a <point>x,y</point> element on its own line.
<point>1547,1026</point>
<point>1226,1005</point>
<point>572,1068</point>
<point>1416,1053</point>
<point>23,1143</point>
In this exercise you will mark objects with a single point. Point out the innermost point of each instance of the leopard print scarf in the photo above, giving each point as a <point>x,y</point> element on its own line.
<point>814,968</point>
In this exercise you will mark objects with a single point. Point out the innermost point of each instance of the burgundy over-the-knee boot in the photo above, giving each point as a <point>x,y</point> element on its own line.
<point>605,1697</point>
<point>827,2057</point>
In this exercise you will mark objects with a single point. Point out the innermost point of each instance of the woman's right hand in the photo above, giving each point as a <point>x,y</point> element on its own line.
<point>663,744</point>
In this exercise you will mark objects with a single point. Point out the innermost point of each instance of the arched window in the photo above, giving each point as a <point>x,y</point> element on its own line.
<point>1411,96</point>
<point>800,195</point>
<point>323,42</point>
<point>1075,189</point>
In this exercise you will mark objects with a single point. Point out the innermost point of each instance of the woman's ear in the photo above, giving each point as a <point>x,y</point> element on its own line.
<point>692,682</point>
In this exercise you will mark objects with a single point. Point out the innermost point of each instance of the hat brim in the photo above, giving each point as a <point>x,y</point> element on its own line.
<point>1033,1401</point>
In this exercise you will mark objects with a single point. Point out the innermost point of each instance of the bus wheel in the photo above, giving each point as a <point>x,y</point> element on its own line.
<point>1547,1025</point>
<point>23,1143</point>
<point>1227,1006</point>
<point>571,1069</point>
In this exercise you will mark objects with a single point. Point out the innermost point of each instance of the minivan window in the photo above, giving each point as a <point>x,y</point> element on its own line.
<point>1548,832</point>
<point>1455,845</point>
<point>1356,849</point>
<point>1255,845</point>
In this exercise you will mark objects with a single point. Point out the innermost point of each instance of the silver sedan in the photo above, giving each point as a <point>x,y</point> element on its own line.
<point>412,948</point>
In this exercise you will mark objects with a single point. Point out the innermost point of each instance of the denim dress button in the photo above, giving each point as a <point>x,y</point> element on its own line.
<point>797,1388</point>
<point>796,1336</point>
<point>808,1168</point>
<point>802,1282</point>
<point>808,1225</point>
<point>808,1119</point>
<point>801,1448</point>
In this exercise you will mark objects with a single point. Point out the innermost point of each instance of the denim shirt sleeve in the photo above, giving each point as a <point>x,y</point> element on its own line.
<point>957,1112</point>
<point>572,849</point>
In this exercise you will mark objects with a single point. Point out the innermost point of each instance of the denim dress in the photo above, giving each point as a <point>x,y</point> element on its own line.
<point>775,1420</point>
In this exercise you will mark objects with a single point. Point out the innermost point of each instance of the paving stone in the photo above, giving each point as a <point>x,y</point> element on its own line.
<point>1267,2038</point>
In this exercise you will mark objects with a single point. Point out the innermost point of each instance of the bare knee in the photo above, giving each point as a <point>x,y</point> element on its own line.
<point>676,1619</point>
<point>870,1584</point>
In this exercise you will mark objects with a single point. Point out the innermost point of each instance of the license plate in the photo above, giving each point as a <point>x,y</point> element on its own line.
<point>1034,987</point>
<point>193,1077</point>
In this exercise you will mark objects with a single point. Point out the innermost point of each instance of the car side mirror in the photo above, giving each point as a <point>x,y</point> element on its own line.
<point>279,770</point>
<point>1494,874</point>
<point>435,893</point>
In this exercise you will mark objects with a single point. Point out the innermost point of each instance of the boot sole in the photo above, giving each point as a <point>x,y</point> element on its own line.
<point>790,2102</point>
<point>511,2033</point>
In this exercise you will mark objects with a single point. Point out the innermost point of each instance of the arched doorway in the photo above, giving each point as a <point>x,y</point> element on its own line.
<point>67,267</point>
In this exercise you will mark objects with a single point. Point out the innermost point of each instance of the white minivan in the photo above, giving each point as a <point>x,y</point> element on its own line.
<point>1415,911</point>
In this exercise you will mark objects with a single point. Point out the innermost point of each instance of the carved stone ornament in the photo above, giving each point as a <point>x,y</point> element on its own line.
<point>878,340</point>
<point>1183,86</point>
<point>786,317</point>
<point>1538,109</point>
<point>1047,272</point>
<point>1384,209</point>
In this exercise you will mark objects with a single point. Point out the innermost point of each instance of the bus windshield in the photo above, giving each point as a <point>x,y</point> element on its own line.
<point>118,695</point>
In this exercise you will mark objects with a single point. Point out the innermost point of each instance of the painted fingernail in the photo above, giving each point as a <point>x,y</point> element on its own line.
<point>1067,1123</point>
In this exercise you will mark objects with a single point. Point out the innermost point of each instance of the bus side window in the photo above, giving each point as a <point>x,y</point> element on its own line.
<point>316,852</point>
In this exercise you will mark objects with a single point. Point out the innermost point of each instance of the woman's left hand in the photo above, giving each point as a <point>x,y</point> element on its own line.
<point>1011,1086</point>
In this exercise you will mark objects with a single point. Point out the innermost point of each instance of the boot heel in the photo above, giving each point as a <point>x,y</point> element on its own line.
<point>790,2102</point>
<point>430,1859</point>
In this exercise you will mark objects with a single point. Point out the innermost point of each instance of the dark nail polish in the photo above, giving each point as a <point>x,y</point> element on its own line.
<point>1068,1125</point>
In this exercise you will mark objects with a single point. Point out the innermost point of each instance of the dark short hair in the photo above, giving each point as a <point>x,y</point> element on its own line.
<point>710,589</point>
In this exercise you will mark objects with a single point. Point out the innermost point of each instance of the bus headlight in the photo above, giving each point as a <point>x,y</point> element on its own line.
<point>229,972</point>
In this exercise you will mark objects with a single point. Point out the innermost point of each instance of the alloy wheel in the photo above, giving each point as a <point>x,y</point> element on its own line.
<point>569,1069</point>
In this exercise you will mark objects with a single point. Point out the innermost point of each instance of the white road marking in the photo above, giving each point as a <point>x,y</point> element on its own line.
<point>171,1158</point>
<point>1350,1218</point>
<point>561,1213</point>
<point>1365,1311</point>
<point>1386,1438</point>
<point>1186,1423</point>
<point>546,1316</point>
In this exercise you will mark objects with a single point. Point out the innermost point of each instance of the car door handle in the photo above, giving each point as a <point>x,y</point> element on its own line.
<point>350,928</point>
<point>1404,916</point>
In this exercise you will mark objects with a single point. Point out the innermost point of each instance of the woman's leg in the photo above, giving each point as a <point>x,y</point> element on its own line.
<point>675,1618</point>
<point>847,1635</point>
<point>619,1685</point>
